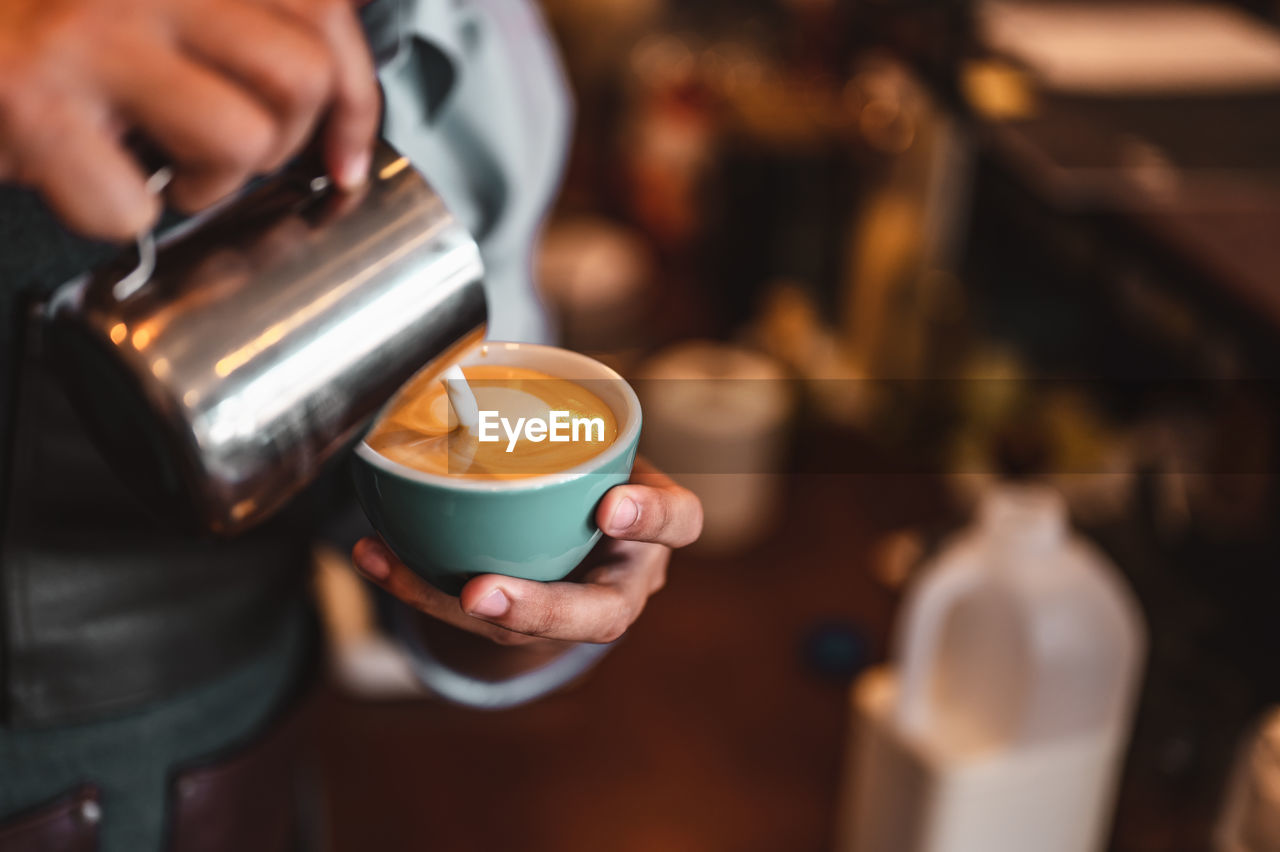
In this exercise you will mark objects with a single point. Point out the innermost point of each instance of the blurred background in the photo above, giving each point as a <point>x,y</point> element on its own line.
<point>865,260</point>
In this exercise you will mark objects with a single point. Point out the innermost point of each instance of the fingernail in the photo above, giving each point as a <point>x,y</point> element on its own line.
<point>492,605</point>
<point>373,563</point>
<point>624,515</point>
<point>354,171</point>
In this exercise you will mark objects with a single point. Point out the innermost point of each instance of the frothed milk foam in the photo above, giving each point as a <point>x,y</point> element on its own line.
<point>420,431</point>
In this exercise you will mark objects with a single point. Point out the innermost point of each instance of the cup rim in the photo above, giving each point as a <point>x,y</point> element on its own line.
<point>621,445</point>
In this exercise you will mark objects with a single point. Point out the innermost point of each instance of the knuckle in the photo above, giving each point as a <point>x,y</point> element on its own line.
<point>304,80</point>
<point>248,146</point>
<point>659,517</point>
<point>614,631</point>
<point>547,618</point>
<point>620,619</point>
<point>361,108</point>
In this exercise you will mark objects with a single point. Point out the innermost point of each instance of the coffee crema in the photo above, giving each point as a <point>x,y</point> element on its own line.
<point>419,429</point>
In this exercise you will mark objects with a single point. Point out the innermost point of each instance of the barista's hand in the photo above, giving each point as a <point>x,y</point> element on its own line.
<point>225,88</point>
<point>643,519</point>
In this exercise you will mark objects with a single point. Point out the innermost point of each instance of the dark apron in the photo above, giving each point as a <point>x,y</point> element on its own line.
<point>104,607</point>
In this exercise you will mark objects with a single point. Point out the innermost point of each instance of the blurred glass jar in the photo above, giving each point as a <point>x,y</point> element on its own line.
<point>597,278</point>
<point>718,418</point>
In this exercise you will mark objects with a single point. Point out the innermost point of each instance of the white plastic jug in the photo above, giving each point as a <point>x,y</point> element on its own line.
<point>1001,723</point>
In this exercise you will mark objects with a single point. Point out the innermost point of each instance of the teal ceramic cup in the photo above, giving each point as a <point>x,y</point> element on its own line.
<point>451,528</point>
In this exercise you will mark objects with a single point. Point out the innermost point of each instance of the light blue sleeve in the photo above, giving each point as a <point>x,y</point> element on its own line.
<point>478,101</point>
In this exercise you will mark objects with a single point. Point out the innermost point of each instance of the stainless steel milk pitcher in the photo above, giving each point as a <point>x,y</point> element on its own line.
<point>265,336</point>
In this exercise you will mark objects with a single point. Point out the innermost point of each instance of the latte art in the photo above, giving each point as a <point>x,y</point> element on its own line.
<point>532,423</point>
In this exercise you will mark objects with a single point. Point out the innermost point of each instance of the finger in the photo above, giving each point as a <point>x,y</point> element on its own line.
<point>217,134</point>
<point>599,610</point>
<point>651,508</point>
<point>375,561</point>
<point>275,57</point>
<point>85,175</point>
<point>352,124</point>
<point>642,566</point>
